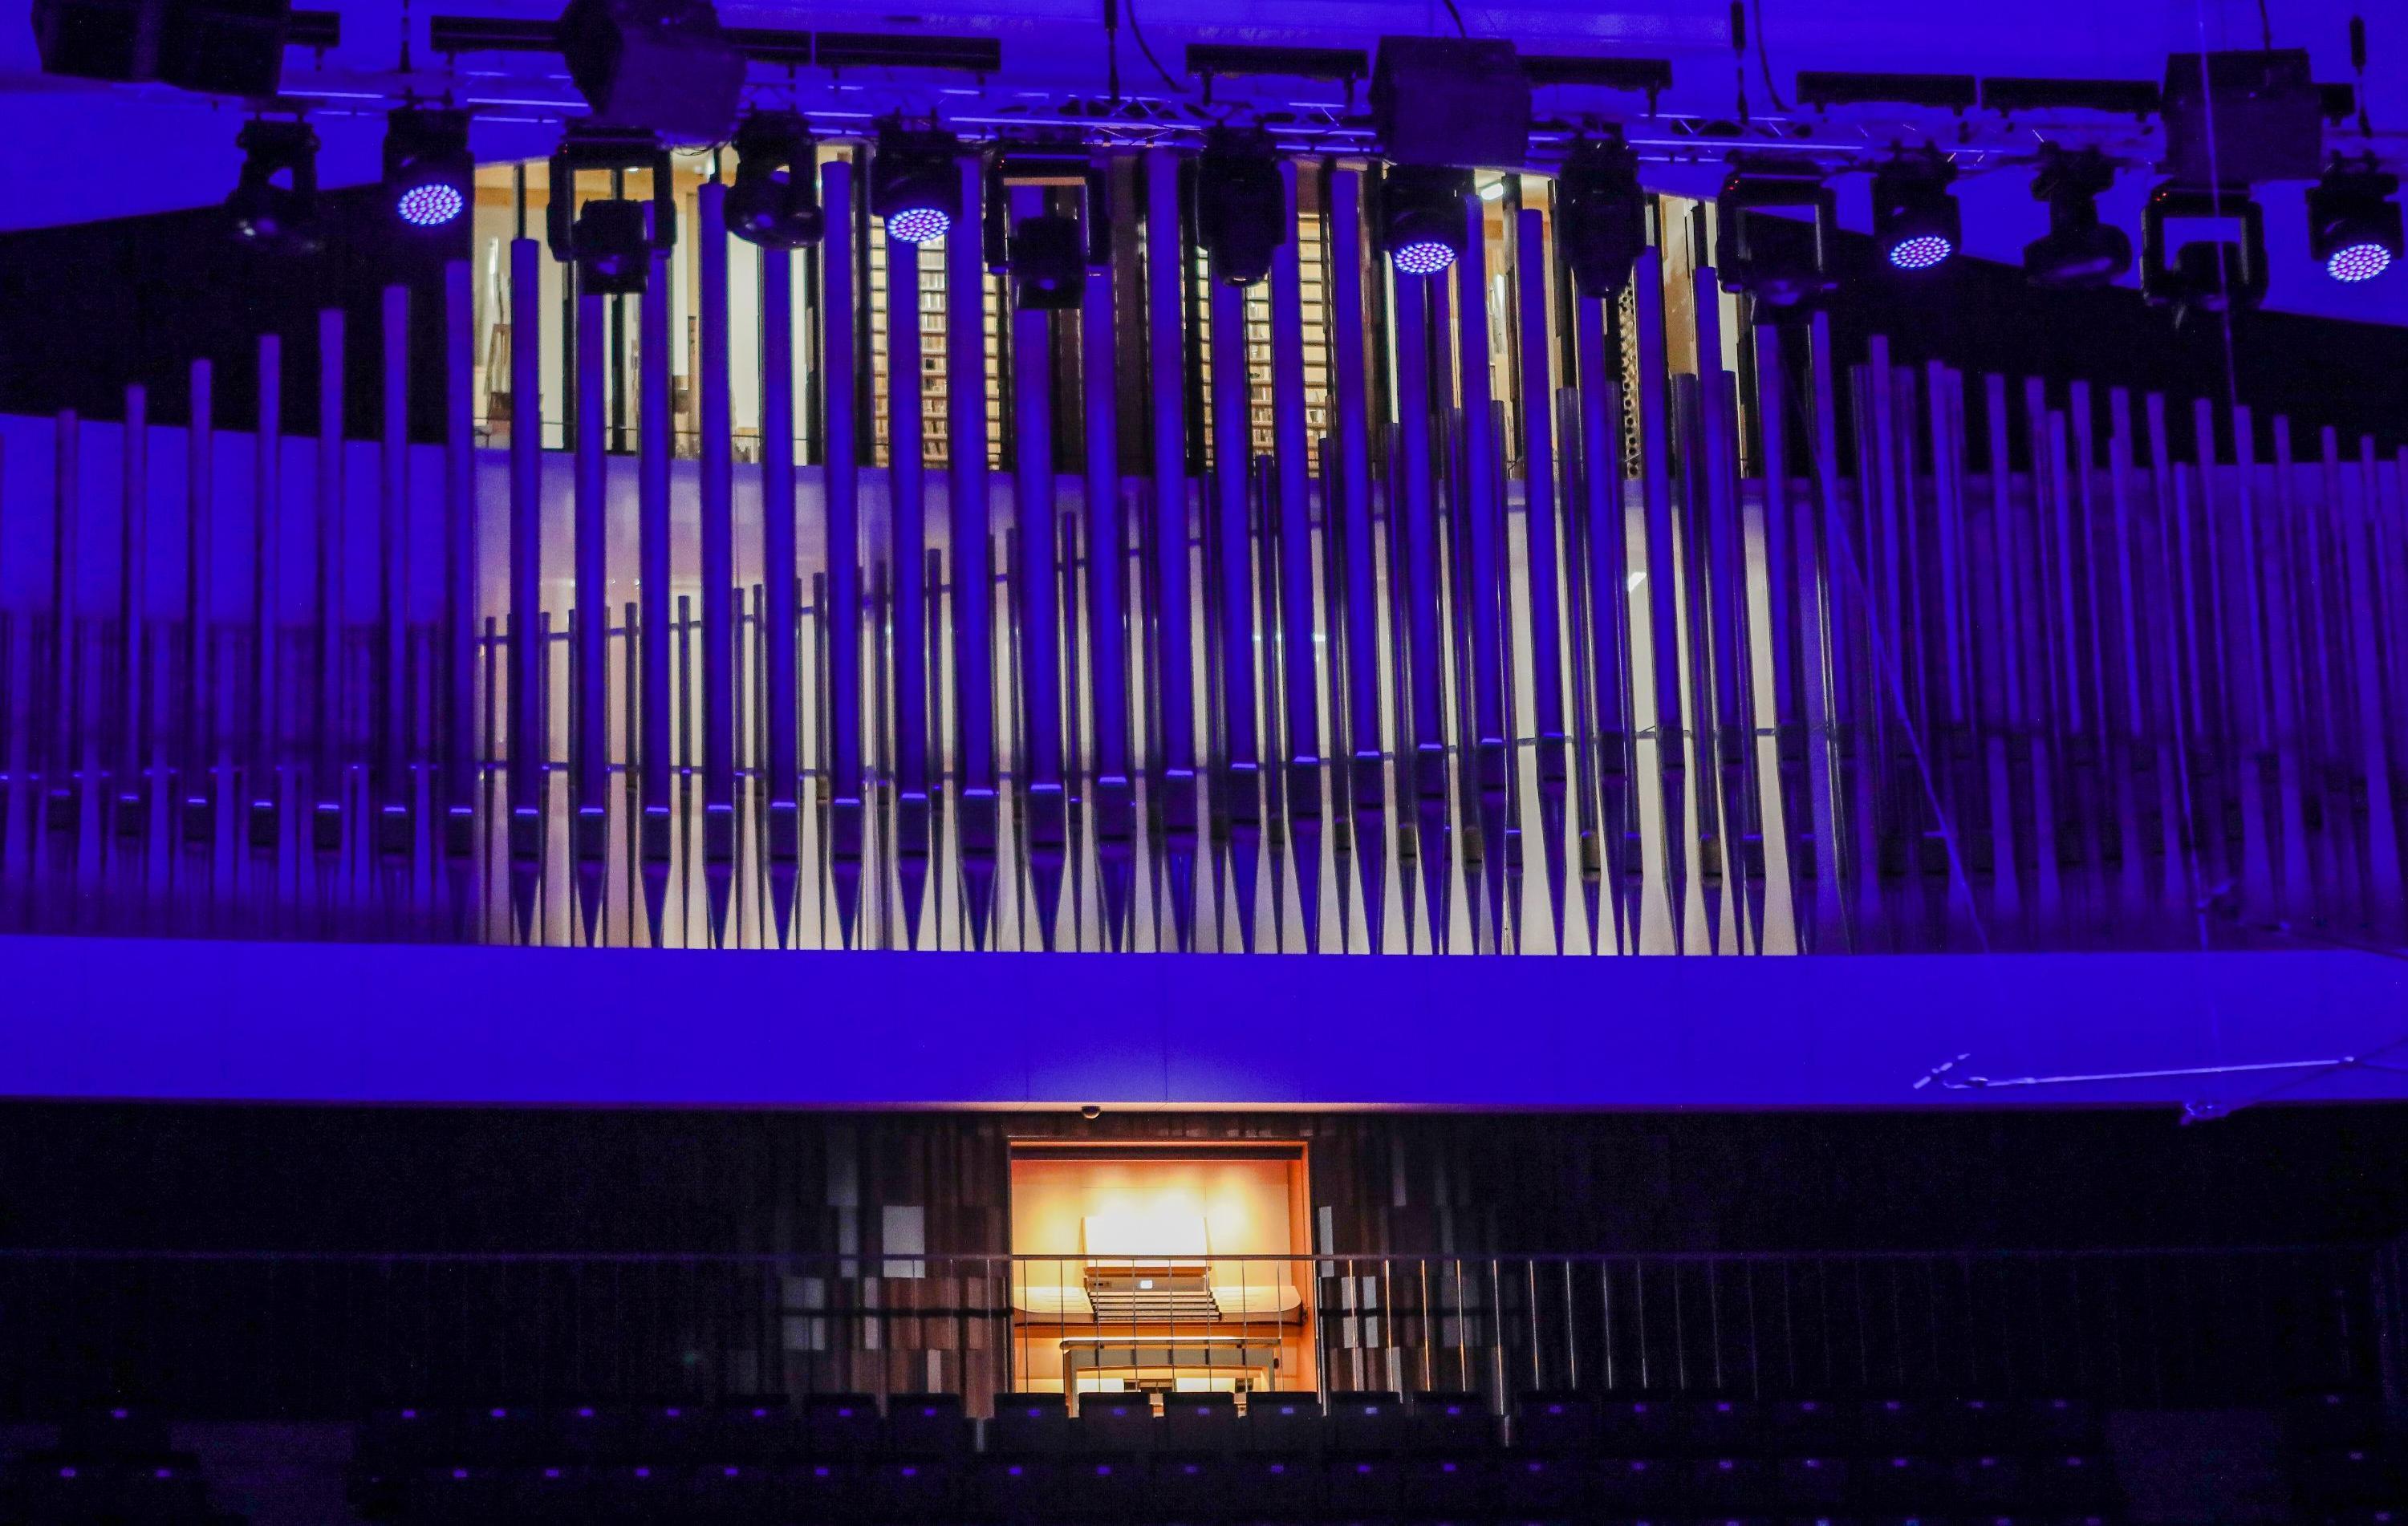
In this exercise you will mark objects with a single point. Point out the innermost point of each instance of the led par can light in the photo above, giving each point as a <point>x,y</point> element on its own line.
<point>1917,221</point>
<point>429,175</point>
<point>915,181</point>
<point>1422,217</point>
<point>2354,226</point>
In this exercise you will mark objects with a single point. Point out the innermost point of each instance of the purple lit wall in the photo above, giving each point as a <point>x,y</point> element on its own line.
<point>359,1023</point>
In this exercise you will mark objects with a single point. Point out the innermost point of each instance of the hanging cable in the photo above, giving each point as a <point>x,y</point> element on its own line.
<point>1739,56</point>
<point>1764,64</point>
<point>1137,30</point>
<point>1460,30</point>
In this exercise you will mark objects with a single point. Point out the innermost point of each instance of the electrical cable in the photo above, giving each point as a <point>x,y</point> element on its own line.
<point>1137,30</point>
<point>1460,30</point>
<point>1763,64</point>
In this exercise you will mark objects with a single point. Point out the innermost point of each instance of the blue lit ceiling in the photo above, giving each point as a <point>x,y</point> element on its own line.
<point>77,151</point>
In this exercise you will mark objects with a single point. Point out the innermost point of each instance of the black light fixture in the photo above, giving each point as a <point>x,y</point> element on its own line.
<point>1775,228</point>
<point>2078,250</point>
<point>1422,217</point>
<point>1241,204</point>
<point>1601,215</point>
<point>775,200</point>
<point>2354,226</point>
<point>275,202</point>
<point>2224,272</point>
<point>429,175</point>
<point>610,239</point>
<point>1917,221</point>
<point>915,181</point>
<point>660,66</point>
<point>1048,262</point>
<point>1047,249</point>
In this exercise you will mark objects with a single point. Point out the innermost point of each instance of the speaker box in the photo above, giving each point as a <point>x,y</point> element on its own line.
<point>225,47</point>
<point>1451,104</point>
<point>221,47</point>
<point>2242,117</point>
<point>99,39</point>
<point>662,65</point>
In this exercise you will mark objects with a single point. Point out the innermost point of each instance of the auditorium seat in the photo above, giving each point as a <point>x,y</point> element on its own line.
<point>1288,1424</point>
<point>1720,1427</point>
<point>115,1431</point>
<point>1536,1484</point>
<point>1556,1424</point>
<point>1457,1485</point>
<point>1729,1485</point>
<point>926,1426</point>
<point>1116,1424</point>
<point>1011,1487</point>
<point>1811,1484</point>
<point>1639,1428</point>
<point>683,1435</point>
<point>1809,1427</point>
<point>1271,1488</point>
<point>909,1488</point>
<point>1028,1425</point>
<point>1199,1422</point>
<point>842,1425</point>
<point>1989,1482</point>
<point>2325,1420</point>
<point>1449,1424</point>
<point>1190,1486</point>
<point>1370,1423</point>
<point>2346,1475</point>
<point>1363,1485</point>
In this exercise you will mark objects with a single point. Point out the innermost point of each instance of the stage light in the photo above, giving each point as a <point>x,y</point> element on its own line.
<point>2215,274</point>
<point>1601,215</point>
<point>2078,250</point>
<point>1776,227</point>
<point>429,175</point>
<point>1241,206</point>
<point>275,202</point>
<point>658,65</point>
<point>1916,222</point>
<point>2354,226</point>
<point>1047,247</point>
<point>1422,217</point>
<point>775,200</point>
<point>610,240</point>
<point>915,181</point>
<point>1048,263</point>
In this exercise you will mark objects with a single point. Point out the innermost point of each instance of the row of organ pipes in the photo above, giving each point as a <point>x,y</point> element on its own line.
<point>1676,685</point>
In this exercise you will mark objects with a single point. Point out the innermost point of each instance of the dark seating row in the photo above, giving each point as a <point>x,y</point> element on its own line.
<point>1172,1487</point>
<point>848,1426</point>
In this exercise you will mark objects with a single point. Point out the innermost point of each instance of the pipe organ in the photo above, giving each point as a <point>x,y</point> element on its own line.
<point>1216,620</point>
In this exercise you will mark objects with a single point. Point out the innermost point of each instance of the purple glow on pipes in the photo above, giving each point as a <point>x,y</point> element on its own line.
<point>718,514</point>
<point>527,528</point>
<point>778,561</point>
<point>839,391</point>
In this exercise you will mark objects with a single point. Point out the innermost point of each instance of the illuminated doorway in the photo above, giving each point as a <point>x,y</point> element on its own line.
<point>1160,1268</point>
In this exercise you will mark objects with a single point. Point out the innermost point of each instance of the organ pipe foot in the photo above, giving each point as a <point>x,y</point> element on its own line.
<point>656,897</point>
<point>977,831</point>
<point>590,876</point>
<point>1114,824</point>
<point>844,827</point>
<point>1048,836</point>
<point>912,862</point>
